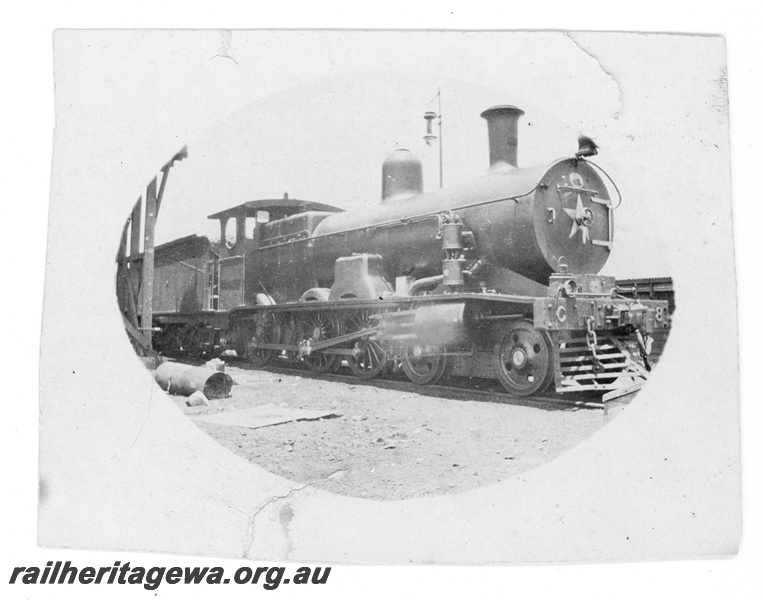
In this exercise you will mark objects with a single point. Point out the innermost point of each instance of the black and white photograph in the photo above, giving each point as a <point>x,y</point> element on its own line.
<point>407,341</point>
<point>381,293</point>
<point>389,297</point>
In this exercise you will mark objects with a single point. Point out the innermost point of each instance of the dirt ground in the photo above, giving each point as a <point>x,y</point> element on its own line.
<point>392,444</point>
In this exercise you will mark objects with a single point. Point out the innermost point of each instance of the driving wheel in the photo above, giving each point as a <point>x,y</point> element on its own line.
<point>369,356</point>
<point>318,327</point>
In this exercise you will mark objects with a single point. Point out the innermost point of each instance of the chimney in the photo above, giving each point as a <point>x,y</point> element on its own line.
<point>502,133</point>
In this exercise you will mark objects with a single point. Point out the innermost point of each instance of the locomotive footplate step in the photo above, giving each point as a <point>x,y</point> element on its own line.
<point>608,366</point>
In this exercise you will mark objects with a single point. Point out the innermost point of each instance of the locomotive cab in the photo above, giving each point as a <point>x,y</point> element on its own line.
<point>258,223</point>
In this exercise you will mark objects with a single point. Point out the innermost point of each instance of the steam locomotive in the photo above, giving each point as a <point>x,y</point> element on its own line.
<point>496,278</point>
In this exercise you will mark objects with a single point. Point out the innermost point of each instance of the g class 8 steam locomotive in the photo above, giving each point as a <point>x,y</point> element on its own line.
<point>495,278</point>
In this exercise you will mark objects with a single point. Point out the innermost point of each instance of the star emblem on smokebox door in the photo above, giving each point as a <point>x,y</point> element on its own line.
<point>581,217</point>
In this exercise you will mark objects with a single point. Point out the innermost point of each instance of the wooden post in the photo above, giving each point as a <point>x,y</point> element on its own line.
<point>122,274</point>
<point>122,252</point>
<point>132,263</point>
<point>147,277</point>
<point>138,298</point>
<point>135,231</point>
<point>162,185</point>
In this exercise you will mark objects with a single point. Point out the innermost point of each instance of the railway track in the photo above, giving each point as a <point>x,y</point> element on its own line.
<point>461,388</point>
<point>451,387</point>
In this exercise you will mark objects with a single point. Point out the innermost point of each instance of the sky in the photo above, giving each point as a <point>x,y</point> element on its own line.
<point>325,116</point>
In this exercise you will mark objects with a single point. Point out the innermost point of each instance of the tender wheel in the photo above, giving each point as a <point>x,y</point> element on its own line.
<point>424,365</point>
<point>319,327</point>
<point>370,356</point>
<point>523,360</point>
<point>263,329</point>
<point>239,339</point>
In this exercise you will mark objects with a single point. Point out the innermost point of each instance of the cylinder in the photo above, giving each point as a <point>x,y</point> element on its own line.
<point>401,176</point>
<point>184,380</point>
<point>502,122</point>
<point>440,324</point>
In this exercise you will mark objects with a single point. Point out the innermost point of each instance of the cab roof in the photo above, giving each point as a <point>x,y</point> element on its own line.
<point>278,208</point>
